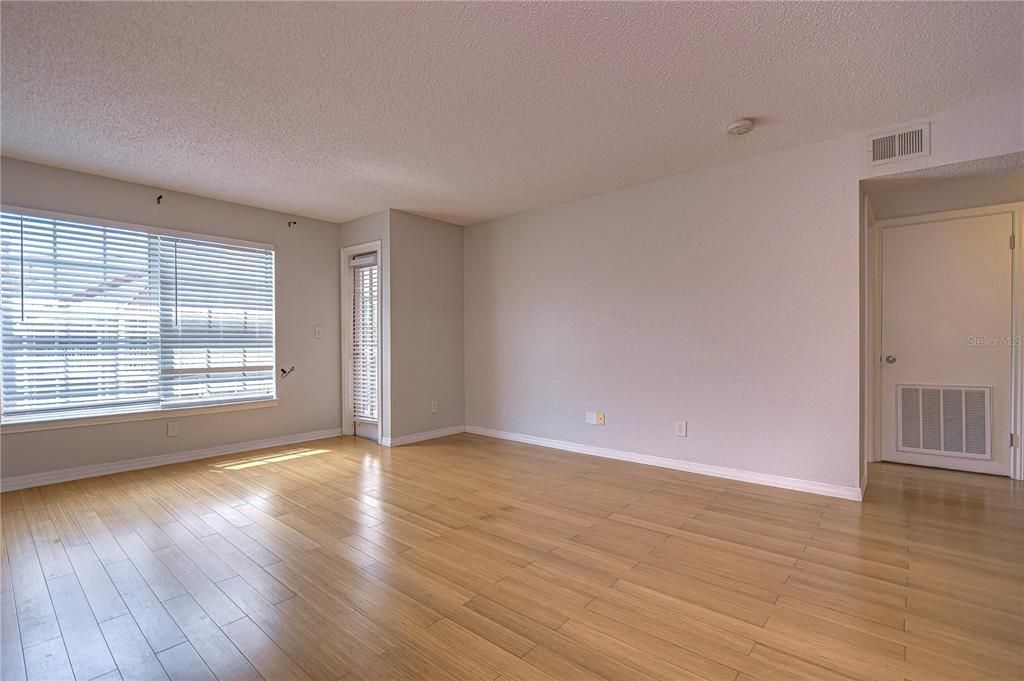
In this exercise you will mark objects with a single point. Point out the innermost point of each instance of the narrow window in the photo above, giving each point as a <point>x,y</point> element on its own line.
<point>365,337</point>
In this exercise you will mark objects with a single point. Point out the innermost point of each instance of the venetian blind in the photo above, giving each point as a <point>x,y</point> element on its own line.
<point>99,320</point>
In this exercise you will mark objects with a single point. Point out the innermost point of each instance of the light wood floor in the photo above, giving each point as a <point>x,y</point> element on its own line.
<point>477,559</point>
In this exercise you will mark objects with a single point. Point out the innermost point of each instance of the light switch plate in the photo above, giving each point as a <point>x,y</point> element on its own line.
<point>318,331</point>
<point>433,407</point>
<point>680,428</point>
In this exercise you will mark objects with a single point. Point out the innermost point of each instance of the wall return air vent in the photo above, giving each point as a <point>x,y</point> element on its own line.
<point>948,420</point>
<point>900,144</point>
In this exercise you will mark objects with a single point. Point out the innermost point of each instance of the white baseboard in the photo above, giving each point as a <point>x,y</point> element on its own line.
<point>420,437</point>
<point>824,488</point>
<point>65,474</point>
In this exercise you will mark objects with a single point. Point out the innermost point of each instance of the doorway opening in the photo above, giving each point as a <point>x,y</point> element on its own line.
<point>361,340</point>
<point>943,322</point>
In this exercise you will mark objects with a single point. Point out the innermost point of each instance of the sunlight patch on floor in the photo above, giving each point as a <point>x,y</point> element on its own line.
<point>276,457</point>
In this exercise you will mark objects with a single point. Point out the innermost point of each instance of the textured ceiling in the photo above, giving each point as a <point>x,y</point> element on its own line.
<point>469,111</point>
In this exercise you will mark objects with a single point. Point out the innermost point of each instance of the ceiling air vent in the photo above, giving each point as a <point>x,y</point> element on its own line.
<point>898,145</point>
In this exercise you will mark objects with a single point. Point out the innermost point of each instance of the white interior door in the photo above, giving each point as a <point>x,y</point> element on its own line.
<point>946,343</point>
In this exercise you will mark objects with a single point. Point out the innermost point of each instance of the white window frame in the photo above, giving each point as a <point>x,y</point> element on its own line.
<point>153,414</point>
<point>347,412</point>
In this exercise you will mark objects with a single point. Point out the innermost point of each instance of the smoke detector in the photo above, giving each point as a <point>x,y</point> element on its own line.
<point>740,127</point>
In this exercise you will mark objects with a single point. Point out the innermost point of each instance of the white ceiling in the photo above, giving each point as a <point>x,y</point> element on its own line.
<point>469,111</point>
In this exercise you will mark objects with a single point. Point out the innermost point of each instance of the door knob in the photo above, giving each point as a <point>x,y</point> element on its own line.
<point>890,359</point>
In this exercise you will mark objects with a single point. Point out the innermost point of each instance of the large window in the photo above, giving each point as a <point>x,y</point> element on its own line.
<point>100,320</point>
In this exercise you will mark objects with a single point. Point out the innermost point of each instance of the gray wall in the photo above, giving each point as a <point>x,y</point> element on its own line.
<point>426,324</point>
<point>421,319</point>
<point>726,297</point>
<point>307,295</point>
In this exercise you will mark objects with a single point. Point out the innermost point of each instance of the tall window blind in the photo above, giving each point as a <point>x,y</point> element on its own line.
<point>99,320</point>
<point>365,338</point>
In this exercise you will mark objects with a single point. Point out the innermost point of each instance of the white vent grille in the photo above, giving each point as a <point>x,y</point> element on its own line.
<point>898,145</point>
<point>945,420</point>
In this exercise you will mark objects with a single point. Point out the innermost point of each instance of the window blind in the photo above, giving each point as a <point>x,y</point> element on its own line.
<point>99,320</point>
<point>216,322</point>
<point>365,344</point>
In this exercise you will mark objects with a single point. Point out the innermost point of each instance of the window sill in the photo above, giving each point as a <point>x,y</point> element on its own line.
<point>86,421</point>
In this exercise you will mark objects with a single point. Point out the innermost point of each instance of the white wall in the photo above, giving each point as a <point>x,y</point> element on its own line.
<point>426,324</point>
<point>727,297</point>
<point>307,295</point>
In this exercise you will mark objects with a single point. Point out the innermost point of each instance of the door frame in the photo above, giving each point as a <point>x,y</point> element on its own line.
<point>873,331</point>
<point>347,418</point>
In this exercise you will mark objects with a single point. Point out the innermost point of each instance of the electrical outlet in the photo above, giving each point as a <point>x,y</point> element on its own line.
<point>680,428</point>
<point>600,418</point>
<point>318,331</point>
<point>433,407</point>
<point>172,429</point>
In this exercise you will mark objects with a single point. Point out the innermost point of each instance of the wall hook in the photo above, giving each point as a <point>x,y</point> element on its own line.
<point>292,223</point>
<point>285,372</point>
<point>159,199</point>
